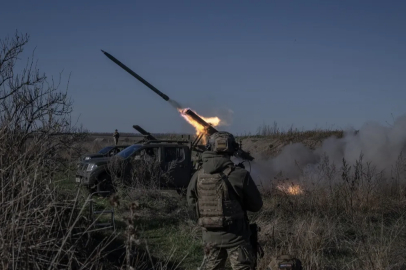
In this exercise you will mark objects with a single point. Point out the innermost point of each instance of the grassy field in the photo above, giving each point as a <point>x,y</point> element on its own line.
<point>334,216</point>
<point>339,217</point>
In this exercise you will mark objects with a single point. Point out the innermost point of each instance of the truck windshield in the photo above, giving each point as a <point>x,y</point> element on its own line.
<point>105,150</point>
<point>129,151</point>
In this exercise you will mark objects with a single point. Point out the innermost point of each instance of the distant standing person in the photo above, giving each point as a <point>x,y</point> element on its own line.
<point>116,135</point>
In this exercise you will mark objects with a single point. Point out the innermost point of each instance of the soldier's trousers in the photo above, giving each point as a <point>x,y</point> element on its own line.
<point>115,140</point>
<point>241,258</point>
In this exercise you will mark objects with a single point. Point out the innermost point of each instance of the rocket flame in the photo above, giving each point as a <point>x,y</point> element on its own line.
<point>291,189</point>
<point>214,121</point>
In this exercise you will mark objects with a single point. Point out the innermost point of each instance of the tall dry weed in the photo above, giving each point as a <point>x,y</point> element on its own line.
<point>346,217</point>
<point>41,227</point>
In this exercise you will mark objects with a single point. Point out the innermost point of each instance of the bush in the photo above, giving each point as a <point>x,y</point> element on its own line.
<point>41,227</point>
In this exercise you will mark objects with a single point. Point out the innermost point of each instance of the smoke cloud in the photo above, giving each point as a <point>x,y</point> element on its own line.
<point>225,115</point>
<point>379,145</point>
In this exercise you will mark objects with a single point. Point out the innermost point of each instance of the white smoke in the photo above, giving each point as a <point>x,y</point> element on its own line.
<point>225,115</point>
<point>378,144</point>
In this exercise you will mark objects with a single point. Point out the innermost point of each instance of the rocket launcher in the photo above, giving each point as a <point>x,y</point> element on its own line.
<point>143,132</point>
<point>209,130</point>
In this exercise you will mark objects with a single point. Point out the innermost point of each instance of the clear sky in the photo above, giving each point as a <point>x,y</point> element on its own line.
<point>302,63</point>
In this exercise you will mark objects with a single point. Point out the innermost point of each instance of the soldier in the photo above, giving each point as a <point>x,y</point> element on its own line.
<point>221,194</point>
<point>116,135</point>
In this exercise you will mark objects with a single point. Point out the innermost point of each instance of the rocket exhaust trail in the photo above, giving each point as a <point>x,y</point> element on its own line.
<point>175,104</point>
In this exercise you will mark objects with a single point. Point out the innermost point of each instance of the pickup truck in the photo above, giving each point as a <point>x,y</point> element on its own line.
<point>174,159</point>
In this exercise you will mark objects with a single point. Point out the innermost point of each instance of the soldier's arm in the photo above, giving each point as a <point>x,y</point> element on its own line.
<point>191,195</point>
<point>252,196</point>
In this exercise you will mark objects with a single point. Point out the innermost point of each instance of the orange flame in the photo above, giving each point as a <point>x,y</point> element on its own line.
<point>214,121</point>
<point>291,189</point>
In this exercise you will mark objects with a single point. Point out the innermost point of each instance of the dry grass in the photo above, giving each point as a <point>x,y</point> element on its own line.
<point>41,227</point>
<point>346,217</point>
<point>351,217</point>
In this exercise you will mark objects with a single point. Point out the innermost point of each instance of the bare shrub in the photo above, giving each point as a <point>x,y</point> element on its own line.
<point>41,226</point>
<point>140,173</point>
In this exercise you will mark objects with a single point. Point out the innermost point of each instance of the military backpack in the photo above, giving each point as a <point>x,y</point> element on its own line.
<point>215,209</point>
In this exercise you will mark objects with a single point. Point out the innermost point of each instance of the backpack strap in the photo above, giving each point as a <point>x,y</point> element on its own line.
<point>229,186</point>
<point>228,170</point>
<point>225,173</point>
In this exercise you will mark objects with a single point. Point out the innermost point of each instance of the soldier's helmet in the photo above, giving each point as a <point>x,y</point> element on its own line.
<point>222,142</point>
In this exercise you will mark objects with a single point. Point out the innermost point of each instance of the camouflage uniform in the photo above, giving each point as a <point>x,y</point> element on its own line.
<point>241,258</point>
<point>116,136</point>
<point>231,241</point>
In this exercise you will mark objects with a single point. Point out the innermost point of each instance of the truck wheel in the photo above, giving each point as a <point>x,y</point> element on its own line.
<point>104,184</point>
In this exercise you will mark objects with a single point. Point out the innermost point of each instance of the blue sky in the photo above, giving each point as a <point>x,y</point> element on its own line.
<point>302,63</point>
